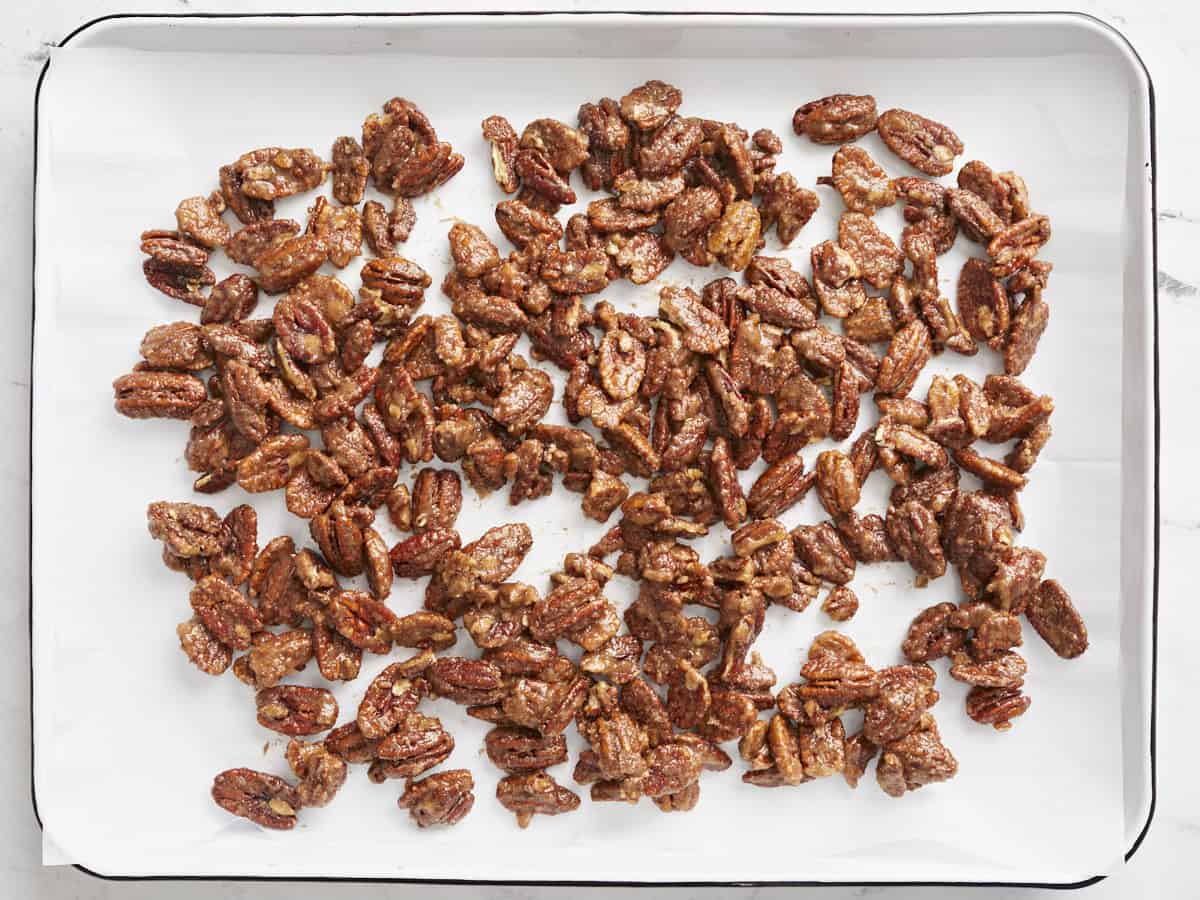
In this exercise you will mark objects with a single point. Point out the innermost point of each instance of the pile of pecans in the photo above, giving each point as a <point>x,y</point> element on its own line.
<point>677,403</point>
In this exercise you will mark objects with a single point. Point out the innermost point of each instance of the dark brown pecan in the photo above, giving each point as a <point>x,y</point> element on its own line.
<point>1055,618</point>
<point>686,221</point>
<point>421,554</point>
<point>617,660</point>
<point>932,634</point>
<point>534,793</point>
<point>577,611</point>
<point>780,487</point>
<point>362,620</point>
<point>443,798</point>
<point>822,550</point>
<point>924,144</point>
<point>917,759</point>
<point>996,706</point>
<point>730,715</point>
<point>471,682</point>
<point>419,744</point>
<point>158,395</point>
<point>295,710</point>
<point>515,749</point>
<point>247,209</point>
<point>862,182</point>
<point>836,119</point>
<point>264,799</point>
<point>905,692</point>
<point>916,536</point>
<point>206,653</point>
<point>176,266</point>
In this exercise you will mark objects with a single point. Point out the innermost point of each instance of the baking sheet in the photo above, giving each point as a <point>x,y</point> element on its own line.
<point>126,134</point>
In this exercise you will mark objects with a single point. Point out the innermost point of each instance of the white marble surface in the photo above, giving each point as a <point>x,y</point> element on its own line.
<point>1164,33</point>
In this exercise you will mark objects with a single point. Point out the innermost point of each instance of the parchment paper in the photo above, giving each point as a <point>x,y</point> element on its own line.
<point>128,734</point>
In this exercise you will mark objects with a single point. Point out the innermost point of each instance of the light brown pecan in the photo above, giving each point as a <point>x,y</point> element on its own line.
<point>534,793</point>
<point>1055,618</point>
<point>443,798</point>
<point>863,184</point>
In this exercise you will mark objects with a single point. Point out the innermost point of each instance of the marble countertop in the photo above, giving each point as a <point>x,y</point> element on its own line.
<point>1165,36</point>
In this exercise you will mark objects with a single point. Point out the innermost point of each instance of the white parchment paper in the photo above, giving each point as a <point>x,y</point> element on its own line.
<point>128,734</point>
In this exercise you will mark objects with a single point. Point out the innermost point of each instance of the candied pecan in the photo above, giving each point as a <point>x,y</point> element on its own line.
<point>1055,618</point>
<point>272,173</point>
<point>563,146</point>
<point>398,280</point>
<point>421,554</point>
<point>472,252</point>
<point>686,221</point>
<point>263,799</point>
<point>158,395</point>
<point>1022,456</point>
<point>780,487</point>
<point>1015,246</point>
<point>726,490</point>
<point>1028,323</point>
<point>669,146</point>
<point>836,119</point>
<point>207,653</point>
<point>251,242</point>
<point>877,258</point>
<point>734,237</point>
<point>347,742</point>
<point>443,798</point>
<point>286,263</point>
<point>534,793</point>
<point>917,759</point>
<point>500,134</point>
<point>907,354</point>
<point>225,612</point>
<point>199,219</point>
<point>516,749</point>
<point>905,692</point>
<point>273,657</point>
<point>996,706</point>
<point>617,660</point>
<point>730,715</point>
<point>524,400</point>
<point>649,105</point>
<point>866,537</point>
<point>424,630</point>
<point>321,773</point>
<point>924,144</point>
<point>862,182</point>
<point>837,482</point>
<point>523,224</point>
<point>859,753</point>
<point>840,604</point>
<point>932,634</point>
<point>231,299</point>
<point>822,550</point>
<point>989,471</point>
<point>577,611</point>
<point>418,744</point>
<point>1004,192</point>
<point>977,220</point>
<point>870,323</point>
<point>1004,669</point>
<point>339,228</point>
<point>295,710</point>
<point>471,682</point>
<point>176,266</point>
<point>337,658</point>
<point>915,535</point>
<point>787,206</point>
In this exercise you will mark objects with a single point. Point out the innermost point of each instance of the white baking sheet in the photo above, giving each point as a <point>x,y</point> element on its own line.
<point>128,735</point>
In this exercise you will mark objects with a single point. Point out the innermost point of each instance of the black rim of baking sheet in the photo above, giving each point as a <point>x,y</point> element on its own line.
<point>617,883</point>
